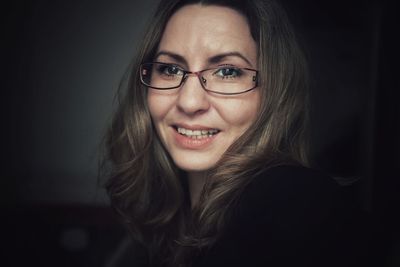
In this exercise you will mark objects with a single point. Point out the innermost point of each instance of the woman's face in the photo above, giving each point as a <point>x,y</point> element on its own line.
<point>197,38</point>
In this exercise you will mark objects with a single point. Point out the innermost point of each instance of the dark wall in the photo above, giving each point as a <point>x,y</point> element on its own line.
<point>63,63</point>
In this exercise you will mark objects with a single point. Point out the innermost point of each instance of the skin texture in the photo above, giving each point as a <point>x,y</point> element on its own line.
<point>193,36</point>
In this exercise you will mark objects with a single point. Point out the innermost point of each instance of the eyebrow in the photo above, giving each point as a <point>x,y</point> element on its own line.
<point>176,57</point>
<point>213,60</point>
<point>218,58</point>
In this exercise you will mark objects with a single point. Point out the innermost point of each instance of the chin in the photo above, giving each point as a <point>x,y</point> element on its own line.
<point>195,165</point>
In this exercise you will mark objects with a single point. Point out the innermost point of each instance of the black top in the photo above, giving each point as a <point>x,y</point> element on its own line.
<point>288,216</point>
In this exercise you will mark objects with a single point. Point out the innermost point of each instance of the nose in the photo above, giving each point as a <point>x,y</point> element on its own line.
<point>192,99</point>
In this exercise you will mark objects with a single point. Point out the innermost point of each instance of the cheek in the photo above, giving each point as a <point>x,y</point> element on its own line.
<point>240,113</point>
<point>158,105</point>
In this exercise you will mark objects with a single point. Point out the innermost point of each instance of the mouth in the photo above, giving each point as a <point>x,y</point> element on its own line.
<point>197,133</point>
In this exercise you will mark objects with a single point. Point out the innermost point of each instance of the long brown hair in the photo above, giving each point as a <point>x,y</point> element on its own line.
<point>150,192</point>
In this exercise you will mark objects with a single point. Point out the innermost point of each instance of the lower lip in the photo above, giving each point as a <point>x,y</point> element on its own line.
<point>191,143</point>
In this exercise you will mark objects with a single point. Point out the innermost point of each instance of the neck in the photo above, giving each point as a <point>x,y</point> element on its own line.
<point>196,183</point>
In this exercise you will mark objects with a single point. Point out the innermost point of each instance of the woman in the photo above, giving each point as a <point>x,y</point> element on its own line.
<point>207,145</point>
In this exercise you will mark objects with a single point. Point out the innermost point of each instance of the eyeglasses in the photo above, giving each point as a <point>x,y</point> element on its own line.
<point>225,80</point>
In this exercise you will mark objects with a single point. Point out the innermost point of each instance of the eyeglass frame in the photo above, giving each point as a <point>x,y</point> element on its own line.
<point>197,73</point>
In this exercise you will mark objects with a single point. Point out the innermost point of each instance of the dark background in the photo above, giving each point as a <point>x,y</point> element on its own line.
<point>62,62</point>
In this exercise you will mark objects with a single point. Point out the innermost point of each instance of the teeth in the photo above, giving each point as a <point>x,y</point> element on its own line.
<point>197,134</point>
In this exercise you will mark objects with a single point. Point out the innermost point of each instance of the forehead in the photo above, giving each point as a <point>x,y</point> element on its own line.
<point>206,30</point>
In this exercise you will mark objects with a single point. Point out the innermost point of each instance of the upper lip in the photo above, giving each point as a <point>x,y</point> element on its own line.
<point>193,127</point>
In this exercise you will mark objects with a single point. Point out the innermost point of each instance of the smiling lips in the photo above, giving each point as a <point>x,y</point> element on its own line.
<point>194,138</point>
<point>197,134</point>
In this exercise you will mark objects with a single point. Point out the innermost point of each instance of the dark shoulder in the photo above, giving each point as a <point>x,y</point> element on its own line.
<point>291,199</point>
<point>294,185</point>
<point>294,179</point>
<point>285,216</point>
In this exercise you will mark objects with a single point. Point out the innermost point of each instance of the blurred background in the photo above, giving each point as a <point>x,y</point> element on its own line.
<point>62,62</point>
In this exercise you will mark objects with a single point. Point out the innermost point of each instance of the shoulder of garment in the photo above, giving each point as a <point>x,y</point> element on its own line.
<point>288,216</point>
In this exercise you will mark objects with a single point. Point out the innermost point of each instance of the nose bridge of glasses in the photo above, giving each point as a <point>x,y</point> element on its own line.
<point>199,76</point>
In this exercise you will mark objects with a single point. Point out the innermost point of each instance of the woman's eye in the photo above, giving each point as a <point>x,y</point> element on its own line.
<point>228,72</point>
<point>170,70</point>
